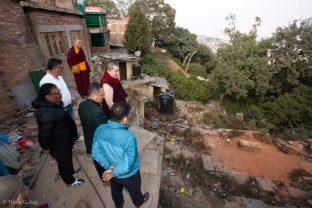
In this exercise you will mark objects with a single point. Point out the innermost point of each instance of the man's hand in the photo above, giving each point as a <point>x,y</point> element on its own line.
<point>107,175</point>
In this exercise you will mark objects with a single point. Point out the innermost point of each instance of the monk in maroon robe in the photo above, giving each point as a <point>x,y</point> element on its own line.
<point>77,58</point>
<point>113,89</point>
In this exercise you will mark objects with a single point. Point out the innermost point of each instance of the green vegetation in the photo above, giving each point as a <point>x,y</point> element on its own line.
<point>138,35</point>
<point>242,68</point>
<point>150,66</point>
<point>189,89</point>
<point>161,16</point>
<point>198,70</point>
<point>291,113</point>
<point>270,80</point>
<point>184,88</point>
<point>232,105</point>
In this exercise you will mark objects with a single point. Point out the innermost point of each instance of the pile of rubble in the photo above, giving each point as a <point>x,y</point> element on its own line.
<point>20,152</point>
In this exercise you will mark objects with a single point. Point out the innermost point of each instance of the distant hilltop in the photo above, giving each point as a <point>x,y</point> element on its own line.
<point>212,42</point>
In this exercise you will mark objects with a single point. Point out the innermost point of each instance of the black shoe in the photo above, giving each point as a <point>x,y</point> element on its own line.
<point>145,198</point>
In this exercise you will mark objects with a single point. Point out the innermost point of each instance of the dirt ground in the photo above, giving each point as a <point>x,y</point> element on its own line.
<point>269,162</point>
<point>291,173</point>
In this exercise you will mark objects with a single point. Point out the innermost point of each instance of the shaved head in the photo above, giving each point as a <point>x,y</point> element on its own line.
<point>78,43</point>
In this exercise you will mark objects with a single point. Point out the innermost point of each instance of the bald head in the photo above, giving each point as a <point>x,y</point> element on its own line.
<point>77,43</point>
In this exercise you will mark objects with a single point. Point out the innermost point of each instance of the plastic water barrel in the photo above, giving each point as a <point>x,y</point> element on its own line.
<point>166,101</point>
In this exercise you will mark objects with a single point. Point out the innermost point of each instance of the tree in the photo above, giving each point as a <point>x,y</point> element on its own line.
<point>291,56</point>
<point>161,16</point>
<point>242,67</point>
<point>109,6</point>
<point>124,6</point>
<point>205,57</point>
<point>291,110</point>
<point>183,44</point>
<point>138,35</point>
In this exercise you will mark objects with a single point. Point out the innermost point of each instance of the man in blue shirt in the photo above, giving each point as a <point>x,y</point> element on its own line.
<point>115,148</point>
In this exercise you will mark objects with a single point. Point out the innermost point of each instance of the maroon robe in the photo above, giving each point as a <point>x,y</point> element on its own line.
<point>119,92</point>
<point>83,78</point>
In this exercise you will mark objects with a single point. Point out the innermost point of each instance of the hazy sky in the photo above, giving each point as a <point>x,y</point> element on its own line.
<point>207,17</point>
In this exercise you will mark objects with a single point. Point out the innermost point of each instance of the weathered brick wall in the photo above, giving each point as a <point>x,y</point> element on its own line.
<point>117,30</point>
<point>60,3</point>
<point>42,17</point>
<point>19,53</point>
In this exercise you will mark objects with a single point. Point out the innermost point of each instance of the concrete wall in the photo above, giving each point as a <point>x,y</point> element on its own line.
<point>145,90</point>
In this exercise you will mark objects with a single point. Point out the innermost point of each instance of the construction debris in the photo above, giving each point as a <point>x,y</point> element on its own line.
<point>9,156</point>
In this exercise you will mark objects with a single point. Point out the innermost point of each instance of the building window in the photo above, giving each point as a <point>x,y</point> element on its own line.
<point>55,43</point>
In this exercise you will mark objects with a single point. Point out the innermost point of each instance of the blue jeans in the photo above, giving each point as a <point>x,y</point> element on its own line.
<point>70,111</point>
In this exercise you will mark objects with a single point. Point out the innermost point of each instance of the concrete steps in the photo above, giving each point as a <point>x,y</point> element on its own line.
<point>150,147</point>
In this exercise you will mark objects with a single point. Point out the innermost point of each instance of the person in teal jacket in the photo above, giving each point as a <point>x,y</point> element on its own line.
<point>115,149</point>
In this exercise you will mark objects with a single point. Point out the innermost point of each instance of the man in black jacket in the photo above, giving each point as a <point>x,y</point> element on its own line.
<point>57,131</point>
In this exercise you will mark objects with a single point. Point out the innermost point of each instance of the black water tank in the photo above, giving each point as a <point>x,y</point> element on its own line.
<point>166,102</point>
<point>136,70</point>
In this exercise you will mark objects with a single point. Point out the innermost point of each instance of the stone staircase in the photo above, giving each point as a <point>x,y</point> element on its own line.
<point>49,189</point>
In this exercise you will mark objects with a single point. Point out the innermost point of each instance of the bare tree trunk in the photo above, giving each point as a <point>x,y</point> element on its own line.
<point>222,95</point>
<point>188,63</point>
<point>185,59</point>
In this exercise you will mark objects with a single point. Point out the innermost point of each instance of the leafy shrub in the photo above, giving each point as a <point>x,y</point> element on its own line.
<point>236,106</point>
<point>290,110</point>
<point>198,70</point>
<point>189,89</point>
<point>255,118</point>
<point>149,65</point>
<point>185,88</point>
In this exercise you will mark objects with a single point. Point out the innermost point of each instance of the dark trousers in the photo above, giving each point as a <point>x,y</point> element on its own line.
<point>132,184</point>
<point>99,168</point>
<point>65,164</point>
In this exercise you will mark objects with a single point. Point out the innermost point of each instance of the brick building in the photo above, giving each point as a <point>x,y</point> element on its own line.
<point>117,30</point>
<point>31,33</point>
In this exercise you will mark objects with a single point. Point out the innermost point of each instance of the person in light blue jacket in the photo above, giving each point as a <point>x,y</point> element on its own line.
<point>115,149</point>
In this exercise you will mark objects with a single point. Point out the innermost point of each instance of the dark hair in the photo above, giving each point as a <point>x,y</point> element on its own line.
<point>45,90</point>
<point>93,88</point>
<point>52,62</point>
<point>119,110</point>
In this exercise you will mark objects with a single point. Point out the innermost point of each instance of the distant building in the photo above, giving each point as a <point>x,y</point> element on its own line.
<point>117,29</point>
<point>96,22</point>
